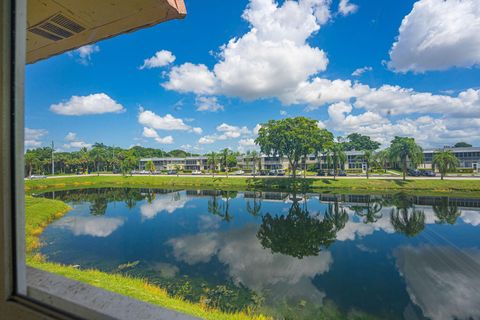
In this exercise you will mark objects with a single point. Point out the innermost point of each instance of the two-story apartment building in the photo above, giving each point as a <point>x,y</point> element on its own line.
<point>188,163</point>
<point>469,157</point>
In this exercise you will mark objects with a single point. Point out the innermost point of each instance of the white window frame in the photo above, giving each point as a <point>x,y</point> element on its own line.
<point>41,302</point>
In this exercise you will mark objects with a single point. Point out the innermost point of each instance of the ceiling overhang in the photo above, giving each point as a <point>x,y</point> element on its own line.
<point>54,26</point>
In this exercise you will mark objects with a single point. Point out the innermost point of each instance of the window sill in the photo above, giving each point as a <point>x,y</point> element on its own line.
<point>90,302</point>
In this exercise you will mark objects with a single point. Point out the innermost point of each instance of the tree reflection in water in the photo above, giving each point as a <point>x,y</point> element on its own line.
<point>299,234</point>
<point>254,209</point>
<point>337,215</point>
<point>221,208</point>
<point>408,221</point>
<point>370,212</point>
<point>445,213</point>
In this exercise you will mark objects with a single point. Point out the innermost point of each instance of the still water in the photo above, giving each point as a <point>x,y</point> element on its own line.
<point>292,256</point>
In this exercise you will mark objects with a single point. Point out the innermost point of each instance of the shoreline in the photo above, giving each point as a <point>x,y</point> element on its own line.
<point>463,188</point>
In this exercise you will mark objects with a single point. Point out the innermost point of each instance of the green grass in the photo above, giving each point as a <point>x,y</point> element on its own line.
<point>470,188</point>
<point>40,212</point>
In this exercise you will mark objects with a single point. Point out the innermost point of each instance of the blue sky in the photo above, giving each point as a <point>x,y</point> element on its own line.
<point>213,77</point>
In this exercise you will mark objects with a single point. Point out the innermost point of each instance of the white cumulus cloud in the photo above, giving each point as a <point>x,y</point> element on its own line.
<point>191,78</point>
<point>168,122</point>
<point>437,35</point>
<point>33,137</point>
<point>75,143</point>
<point>208,104</point>
<point>271,58</point>
<point>84,53</point>
<point>358,72</point>
<point>97,103</point>
<point>161,58</point>
<point>345,7</point>
<point>152,133</point>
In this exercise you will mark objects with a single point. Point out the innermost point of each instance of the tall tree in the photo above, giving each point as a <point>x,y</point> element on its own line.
<point>356,141</point>
<point>224,159</point>
<point>369,159</point>
<point>445,161</point>
<point>462,145</point>
<point>337,156</point>
<point>322,143</point>
<point>150,166</point>
<point>382,157</point>
<point>292,138</point>
<point>30,161</point>
<point>212,159</point>
<point>255,157</point>
<point>403,151</point>
<point>97,154</point>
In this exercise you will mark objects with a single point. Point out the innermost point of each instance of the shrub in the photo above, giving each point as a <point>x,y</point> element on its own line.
<point>354,170</point>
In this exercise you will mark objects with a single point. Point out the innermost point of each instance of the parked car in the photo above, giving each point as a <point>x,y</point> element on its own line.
<point>414,172</point>
<point>238,172</point>
<point>280,172</point>
<point>196,172</point>
<point>331,172</point>
<point>144,172</point>
<point>172,172</point>
<point>321,173</point>
<point>37,176</point>
<point>263,172</point>
<point>342,173</point>
<point>429,173</point>
<point>272,172</point>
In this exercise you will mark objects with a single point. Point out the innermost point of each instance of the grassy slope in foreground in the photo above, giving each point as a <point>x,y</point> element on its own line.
<point>464,187</point>
<point>40,212</point>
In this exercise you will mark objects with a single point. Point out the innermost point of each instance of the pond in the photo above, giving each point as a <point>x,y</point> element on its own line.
<point>292,256</point>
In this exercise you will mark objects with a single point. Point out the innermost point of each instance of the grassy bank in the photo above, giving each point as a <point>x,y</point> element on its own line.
<point>40,212</point>
<point>469,188</point>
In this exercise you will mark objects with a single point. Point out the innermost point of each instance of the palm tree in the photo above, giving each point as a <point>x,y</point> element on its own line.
<point>445,161</point>
<point>338,156</point>
<point>30,161</point>
<point>382,157</point>
<point>445,213</point>
<point>150,166</point>
<point>212,161</point>
<point>255,157</point>
<point>404,150</point>
<point>97,155</point>
<point>224,159</point>
<point>369,159</point>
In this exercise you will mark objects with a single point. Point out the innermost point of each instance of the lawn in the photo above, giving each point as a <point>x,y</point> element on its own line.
<point>470,188</point>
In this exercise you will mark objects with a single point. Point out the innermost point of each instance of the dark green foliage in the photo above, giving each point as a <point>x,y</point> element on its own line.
<point>299,234</point>
<point>356,141</point>
<point>462,145</point>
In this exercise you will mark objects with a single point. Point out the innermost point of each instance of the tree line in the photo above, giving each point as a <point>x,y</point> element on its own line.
<point>98,158</point>
<point>297,138</point>
<point>292,138</point>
